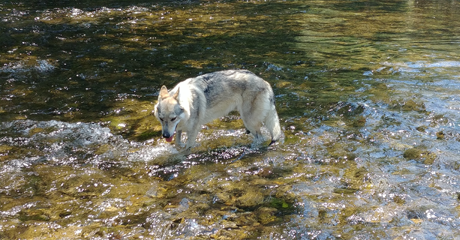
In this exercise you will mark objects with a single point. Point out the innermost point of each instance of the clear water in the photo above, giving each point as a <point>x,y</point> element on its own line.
<point>367,93</point>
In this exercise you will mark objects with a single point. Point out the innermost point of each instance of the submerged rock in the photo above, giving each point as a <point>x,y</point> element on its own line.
<point>266,215</point>
<point>251,198</point>
<point>421,128</point>
<point>33,215</point>
<point>409,105</point>
<point>360,122</point>
<point>420,155</point>
<point>440,135</point>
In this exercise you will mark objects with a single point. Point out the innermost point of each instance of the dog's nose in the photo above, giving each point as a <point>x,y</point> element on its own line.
<point>166,135</point>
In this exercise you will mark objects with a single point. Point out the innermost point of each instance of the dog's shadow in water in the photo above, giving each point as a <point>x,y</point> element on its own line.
<point>232,154</point>
<point>172,165</point>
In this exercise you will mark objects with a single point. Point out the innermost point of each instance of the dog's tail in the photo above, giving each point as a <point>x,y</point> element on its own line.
<point>272,123</point>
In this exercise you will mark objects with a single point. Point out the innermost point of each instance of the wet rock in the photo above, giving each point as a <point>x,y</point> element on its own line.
<point>360,122</point>
<point>415,214</point>
<point>156,191</point>
<point>351,156</point>
<point>266,215</point>
<point>280,204</point>
<point>34,131</point>
<point>349,109</point>
<point>135,219</point>
<point>438,120</point>
<point>200,208</point>
<point>33,215</point>
<point>440,135</point>
<point>223,198</point>
<point>421,128</point>
<point>244,196</point>
<point>345,190</point>
<point>250,198</point>
<point>341,151</point>
<point>412,153</point>
<point>420,155</point>
<point>230,234</point>
<point>409,105</point>
<point>413,106</point>
<point>283,84</point>
<point>266,172</point>
<point>228,224</point>
<point>399,200</point>
<point>284,192</point>
<point>390,121</point>
<point>35,184</point>
<point>65,214</point>
<point>246,219</point>
<point>260,182</point>
<point>272,172</point>
<point>4,151</point>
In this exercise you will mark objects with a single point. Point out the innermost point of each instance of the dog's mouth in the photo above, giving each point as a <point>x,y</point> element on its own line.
<point>170,138</point>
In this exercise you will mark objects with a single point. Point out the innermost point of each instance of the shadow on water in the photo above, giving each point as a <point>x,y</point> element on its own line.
<point>372,6</point>
<point>77,64</point>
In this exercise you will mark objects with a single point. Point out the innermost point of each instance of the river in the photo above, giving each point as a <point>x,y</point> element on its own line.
<point>368,94</point>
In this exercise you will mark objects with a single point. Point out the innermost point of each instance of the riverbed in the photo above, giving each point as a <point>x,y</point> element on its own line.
<point>368,95</point>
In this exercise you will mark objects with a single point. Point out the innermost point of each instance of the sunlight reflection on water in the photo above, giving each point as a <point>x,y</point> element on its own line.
<point>367,95</point>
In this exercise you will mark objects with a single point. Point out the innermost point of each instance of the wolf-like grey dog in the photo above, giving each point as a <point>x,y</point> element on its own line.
<point>197,101</point>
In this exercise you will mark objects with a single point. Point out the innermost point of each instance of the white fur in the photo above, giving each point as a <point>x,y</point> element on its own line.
<point>197,101</point>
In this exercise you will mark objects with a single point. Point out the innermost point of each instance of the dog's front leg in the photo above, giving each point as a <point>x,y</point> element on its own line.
<point>179,143</point>
<point>191,138</point>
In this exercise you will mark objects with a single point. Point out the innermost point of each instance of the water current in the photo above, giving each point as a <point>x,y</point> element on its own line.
<point>368,94</point>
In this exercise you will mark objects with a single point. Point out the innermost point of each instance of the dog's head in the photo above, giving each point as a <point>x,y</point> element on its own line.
<point>169,112</point>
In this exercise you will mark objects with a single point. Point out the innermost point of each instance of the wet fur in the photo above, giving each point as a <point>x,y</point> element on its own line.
<point>197,101</point>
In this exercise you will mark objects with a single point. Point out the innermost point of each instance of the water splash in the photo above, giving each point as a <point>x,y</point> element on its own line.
<point>74,143</point>
<point>41,66</point>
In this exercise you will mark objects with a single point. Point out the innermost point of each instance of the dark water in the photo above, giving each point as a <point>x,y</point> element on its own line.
<point>367,92</point>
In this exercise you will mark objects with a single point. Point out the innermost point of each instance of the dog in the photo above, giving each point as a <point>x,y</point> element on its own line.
<point>197,101</point>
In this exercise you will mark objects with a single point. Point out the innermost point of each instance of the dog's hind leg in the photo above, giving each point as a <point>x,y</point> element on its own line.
<point>252,118</point>
<point>261,111</point>
<point>272,123</point>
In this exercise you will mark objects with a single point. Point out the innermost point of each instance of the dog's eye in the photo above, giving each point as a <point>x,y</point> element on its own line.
<point>173,119</point>
<point>161,119</point>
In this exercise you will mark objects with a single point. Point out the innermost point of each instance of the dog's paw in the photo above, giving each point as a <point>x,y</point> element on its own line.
<point>184,150</point>
<point>180,145</point>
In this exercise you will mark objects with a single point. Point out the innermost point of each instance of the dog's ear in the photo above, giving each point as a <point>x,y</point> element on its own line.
<point>176,94</point>
<point>164,92</point>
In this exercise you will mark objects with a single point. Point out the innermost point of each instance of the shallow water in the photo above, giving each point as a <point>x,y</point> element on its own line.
<point>367,94</point>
